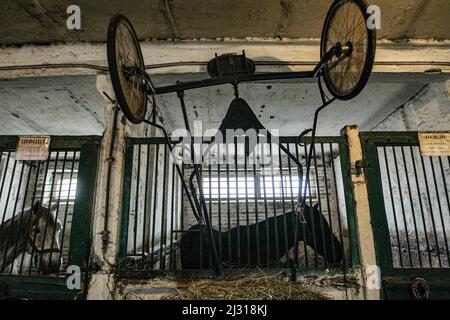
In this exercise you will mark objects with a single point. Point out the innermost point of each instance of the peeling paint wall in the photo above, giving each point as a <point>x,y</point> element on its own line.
<point>427,109</point>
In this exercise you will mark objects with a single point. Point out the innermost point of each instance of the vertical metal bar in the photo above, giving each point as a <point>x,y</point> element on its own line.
<point>136,199</point>
<point>237,200</point>
<point>219,207</point>
<point>125,234</point>
<point>341,238</point>
<point>8,193</point>
<point>30,221</point>
<point>393,206</point>
<point>144,220</point>
<point>327,197</point>
<point>444,181</point>
<point>283,205</point>
<point>440,209</point>
<point>3,180</point>
<point>66,211</point>
<point>58,201</point>
<point>49,205</point>
<point>23,208</point>
<point>210,200</point>
<point>155,201</point>
<point>228,203</point>
<point>403,207</point>
<point>293,206</point>
<point>12,236</point>
<point>274,203</point>
<point>431,212</point>
<point>300,191</point>
<point>257,193</point>
<point>263,176</point>
<point>247,217</point>
<point>172,216</point>
<point>412,206</point>
<point>6,207</point>
<point>322,232</point>
<point>420,204</point>
<point>182,192</point>
<point>163,240</point>
<point>311,214</point>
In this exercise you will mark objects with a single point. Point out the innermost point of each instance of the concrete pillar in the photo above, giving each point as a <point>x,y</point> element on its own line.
<point>103,283</point>
<point>369,272</point>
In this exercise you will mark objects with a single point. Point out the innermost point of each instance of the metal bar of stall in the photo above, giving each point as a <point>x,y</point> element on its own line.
<point>72,168</point>
<point>256,191</point>
<point>305,248</point>
<point>393,206</point>
<point>11,235</point>
<point>219,193</point>
<point>22,211</point>
<point>210,199</point>
<point>58,202</point>
<point>136,198</point>
<point>274,203</point>
<point>319,200</point>
<point>30,220</point>
<point>445,188</point>
<point>440,209</point>
<point>341,238</point>
<point>237,200</point>
<point>402,207</point>
<point>311,214</point>
<point>144,220</point>
<point>163,211</point>
<point>408,186</point>
<point>228,202</point>
<point>155,198</point>
<point>266,216</point>
<point>49,205</point>
<point>172,216</point>
<point>413,160</point>
<point>431,212</point>
<point>286,247</point>
<point>327,197</point>
<point>5,210</point>
<point>247,216</point>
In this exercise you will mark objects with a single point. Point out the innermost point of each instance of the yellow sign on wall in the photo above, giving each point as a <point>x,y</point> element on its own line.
<point>33,148</point>
<point>436,143</point>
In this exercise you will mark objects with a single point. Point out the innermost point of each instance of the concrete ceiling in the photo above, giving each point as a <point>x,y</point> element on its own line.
<point>73,106</point>
<point>44,21</point>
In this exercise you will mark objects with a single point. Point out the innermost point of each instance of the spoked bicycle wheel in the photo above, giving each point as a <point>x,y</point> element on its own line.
<point>127,69</point>
<point>347,73</point>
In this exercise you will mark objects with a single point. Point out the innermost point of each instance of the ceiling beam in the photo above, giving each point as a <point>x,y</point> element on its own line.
<point>78,59</point>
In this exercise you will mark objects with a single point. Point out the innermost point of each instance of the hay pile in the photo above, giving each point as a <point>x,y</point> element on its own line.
<point>247,287</point>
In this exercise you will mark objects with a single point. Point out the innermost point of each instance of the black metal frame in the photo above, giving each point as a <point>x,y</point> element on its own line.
<point>199,207</point>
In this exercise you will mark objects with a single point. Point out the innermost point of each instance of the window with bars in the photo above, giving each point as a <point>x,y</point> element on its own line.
<point>61,185</point>
<point>277,187</point>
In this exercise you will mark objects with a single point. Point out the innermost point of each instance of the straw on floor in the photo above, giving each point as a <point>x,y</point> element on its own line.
<point>247,287</point>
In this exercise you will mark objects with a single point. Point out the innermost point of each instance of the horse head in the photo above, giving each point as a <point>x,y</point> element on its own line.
<point>320,236</point>
<point>43,238</point>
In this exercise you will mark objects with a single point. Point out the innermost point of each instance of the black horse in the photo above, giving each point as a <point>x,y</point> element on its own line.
<point>261,244</point>
<point>33,233</point>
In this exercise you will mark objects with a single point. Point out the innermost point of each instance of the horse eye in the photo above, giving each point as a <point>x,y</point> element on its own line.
<point>36,230</point>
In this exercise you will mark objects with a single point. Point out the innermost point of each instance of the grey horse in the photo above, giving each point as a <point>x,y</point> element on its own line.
<point>31,236</point>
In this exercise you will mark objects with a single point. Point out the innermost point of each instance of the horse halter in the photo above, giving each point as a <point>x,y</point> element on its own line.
<point>35,249</point>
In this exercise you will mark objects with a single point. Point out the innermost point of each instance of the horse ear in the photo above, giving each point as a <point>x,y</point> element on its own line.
<point>36,206</point>
<point>54,206</point>
<point>316,206</point>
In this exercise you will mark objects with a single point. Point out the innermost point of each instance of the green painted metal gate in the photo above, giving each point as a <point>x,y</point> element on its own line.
<point>65,180</point>
<point>409,201</point>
